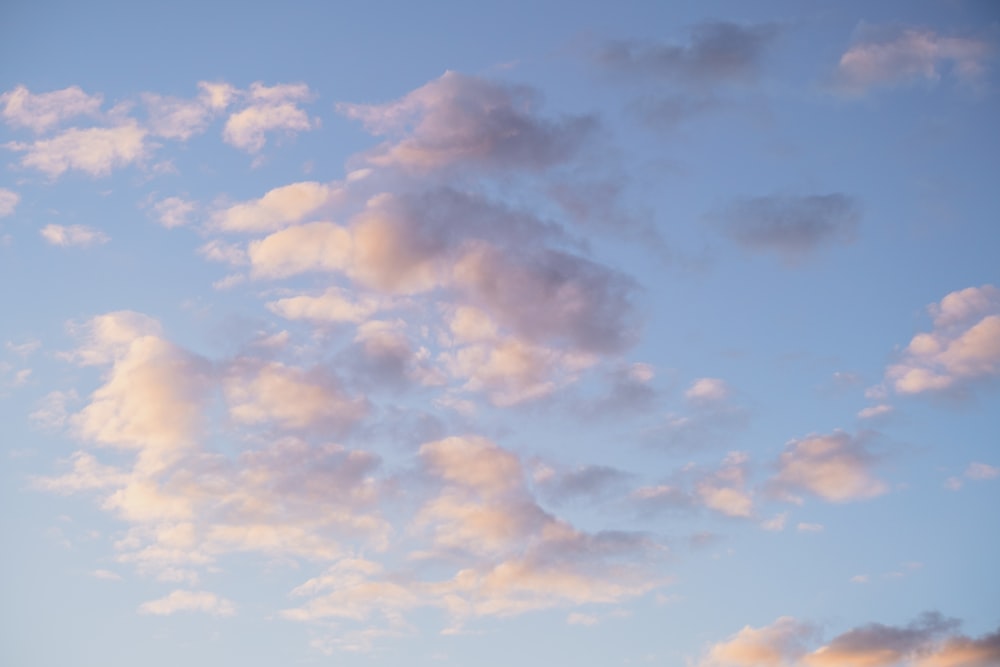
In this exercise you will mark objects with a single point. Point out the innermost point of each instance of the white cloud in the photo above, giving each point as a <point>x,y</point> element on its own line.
<point>175,118</point>
<point>73,235</point>
<point>875,411</point>
<point>333,305</point>
<point>270,109</point>
<point>8,202</point>
<point>777,645</point>
<point>707,390</point>
<point>181,600</point>
<point>962,348</point>
<point>835,467</point>
<point>882,58</point>
<point>278,208</point>
<point>95,151</point>
<point>41,112</point>
<point>174,211</point>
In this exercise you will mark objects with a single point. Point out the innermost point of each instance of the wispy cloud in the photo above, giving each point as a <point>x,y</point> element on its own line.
<point>73,235</point>
<point>186,601</point>
<point>8,202</point>
<point>887,56</point>
<point>95,151</point>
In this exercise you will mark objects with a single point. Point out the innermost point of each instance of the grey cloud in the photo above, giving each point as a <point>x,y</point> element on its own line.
<point>583,482</point>
<point>571,298</point>
<point>465,120</point>
<point>718,52</point>
<point>792,226</point>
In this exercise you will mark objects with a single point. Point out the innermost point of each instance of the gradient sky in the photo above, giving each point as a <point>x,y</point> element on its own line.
<point>458,333</point>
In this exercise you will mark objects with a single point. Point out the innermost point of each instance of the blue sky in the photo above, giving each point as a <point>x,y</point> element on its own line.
<point>478,333</point>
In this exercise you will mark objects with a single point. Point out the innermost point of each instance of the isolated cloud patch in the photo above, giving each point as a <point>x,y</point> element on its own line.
<point>718,51</point>
<point>8,202</point>
<point>73,235</point>
<point>789,225</point>
<point>837,468</point>
<point>462,119</point>
<point>885,57</point>
<point>181,600</point>
<point>962,348</point>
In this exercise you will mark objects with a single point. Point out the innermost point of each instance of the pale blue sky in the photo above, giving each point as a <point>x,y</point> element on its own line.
<point>476,333</point>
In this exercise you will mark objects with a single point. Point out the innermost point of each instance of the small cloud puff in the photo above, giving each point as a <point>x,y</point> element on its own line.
<point>73,235</point>
<point>961,349</point>
<point>8,202</point>
<point>837,468</point>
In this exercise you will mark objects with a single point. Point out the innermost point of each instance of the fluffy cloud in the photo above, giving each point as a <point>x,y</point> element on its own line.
<point>722,490</point>
<point>291,397</point>
<point>8,202</point>
<point>708,390</point>
<point>269,109</point>
<point>41,112</point>
<point>95,151</point>
<point>791,226</point>
<point>278,208</point>
<point>333,305</point>
<point>888,57</point>
<point>175,118</point>
<point>929,641</point>
<point>719,51</point>
<point>461,119</point>
<point>963,347</point>
<point>181,600</point>
<point>837,468</point>
<point>775,645</point>
<point>73,235</point>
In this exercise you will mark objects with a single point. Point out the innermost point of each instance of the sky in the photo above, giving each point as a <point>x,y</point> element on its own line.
<point>455,333</point>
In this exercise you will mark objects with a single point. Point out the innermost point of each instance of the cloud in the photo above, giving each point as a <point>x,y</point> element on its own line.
<point>181,600</point>
<point>459,119</point>
<point>278,208</point>
<point>722,490</point>
<point>982,471</point>
<point>174,211</point>
<point>707,390</point>
<point>581,482</point>
<point>962,348</point>
<point>931,640</point>
<point>775,645</point>
<point>73,235</point>
<point>875,411</point>
<point>42,112</point>
<point>836,467</point>
<point>291,397</point>
<point>333,305</point>
<point>269,109</point>
<point>718,52</point>
<point>175,118</point>
<point>896,56</point>
<point>791,226</point>
<point>8,202</point>
<point>95,151</point>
